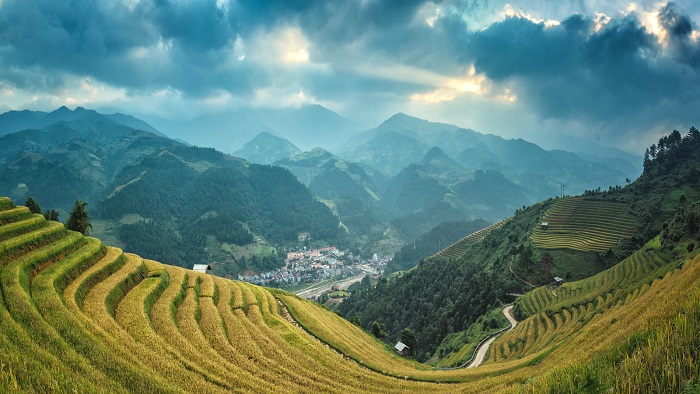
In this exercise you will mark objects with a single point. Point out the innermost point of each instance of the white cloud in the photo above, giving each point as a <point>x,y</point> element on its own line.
<point>428,14</point>
<point>510,12</point>
<point>285,45</point>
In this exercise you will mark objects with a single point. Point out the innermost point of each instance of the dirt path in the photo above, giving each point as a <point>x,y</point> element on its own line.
<point>481,352</point>
<point>516,275</point>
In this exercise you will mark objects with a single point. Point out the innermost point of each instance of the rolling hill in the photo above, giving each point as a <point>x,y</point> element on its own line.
<point>79,316</point>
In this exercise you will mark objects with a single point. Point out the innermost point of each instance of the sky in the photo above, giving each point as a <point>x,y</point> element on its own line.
<point>617,72</point>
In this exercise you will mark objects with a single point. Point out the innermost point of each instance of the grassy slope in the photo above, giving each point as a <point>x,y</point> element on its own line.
<point>76,316</point>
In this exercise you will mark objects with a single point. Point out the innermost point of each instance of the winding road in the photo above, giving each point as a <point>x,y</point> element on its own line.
<point>484,347</point>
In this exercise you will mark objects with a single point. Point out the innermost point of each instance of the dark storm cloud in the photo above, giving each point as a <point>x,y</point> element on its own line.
<point>679,28</point>
<point>572,71</point>
<point>100,39</point>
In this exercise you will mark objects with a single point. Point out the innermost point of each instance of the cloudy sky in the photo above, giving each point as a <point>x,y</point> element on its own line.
<point>617,72</point>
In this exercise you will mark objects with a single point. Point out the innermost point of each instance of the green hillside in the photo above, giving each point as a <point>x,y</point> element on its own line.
<point>458,248</point>
<point>77,316</point>
<point>585,224</point>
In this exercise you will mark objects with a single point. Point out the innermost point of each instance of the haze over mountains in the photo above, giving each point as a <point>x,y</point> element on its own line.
<point>406,175</point>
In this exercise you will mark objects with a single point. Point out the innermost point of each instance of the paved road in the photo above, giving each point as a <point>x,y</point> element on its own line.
<point>481,353</point>
<point>312,291</point>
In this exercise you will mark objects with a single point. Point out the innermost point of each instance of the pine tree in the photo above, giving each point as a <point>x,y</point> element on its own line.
<point>79,218</point>
<point>32,205</point>
<point>409,338</point>
<point>51,214</point>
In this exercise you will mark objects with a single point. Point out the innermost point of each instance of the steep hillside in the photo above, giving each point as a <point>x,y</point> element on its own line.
<point>521,255</point>
<point>80,317</point>
<point>432,241</point>
<point>584,224</point>
<point>458,248</point>
<point>350,189</point>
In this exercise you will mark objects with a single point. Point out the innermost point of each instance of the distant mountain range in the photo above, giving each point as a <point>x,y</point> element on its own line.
<point>153,195</point>
<point>413,174</point>
<point>12,121</point>
<point>397,180</point>
<point>308,127</point>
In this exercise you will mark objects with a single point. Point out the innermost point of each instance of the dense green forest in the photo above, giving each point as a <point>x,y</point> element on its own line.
<point>219,197</point>
<point>441,236</point>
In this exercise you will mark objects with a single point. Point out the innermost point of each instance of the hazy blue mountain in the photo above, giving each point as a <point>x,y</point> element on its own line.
<point>630,164</point>
<point>267,148</point>
<point>493,190</point>
<point>307,127</point>
<point>71,159</point>
<point>438,164</point>
<point>402,140</point>
<point>13,121</point>
<point>388,151</point>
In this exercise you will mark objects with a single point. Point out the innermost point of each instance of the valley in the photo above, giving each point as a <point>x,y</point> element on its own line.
<point>447,290</point>
<point>340,197</point>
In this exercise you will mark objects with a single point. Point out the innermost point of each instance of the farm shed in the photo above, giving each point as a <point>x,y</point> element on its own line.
<point>203,268</point>
<point>557,281</point>
<point>402,349</point>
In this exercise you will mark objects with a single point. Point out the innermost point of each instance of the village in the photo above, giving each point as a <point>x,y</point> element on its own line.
<point>316,265</point>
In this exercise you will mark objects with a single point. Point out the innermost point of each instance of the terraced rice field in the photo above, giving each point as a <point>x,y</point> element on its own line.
<point>557,313</point>
<point>76,316</point>
<point>584,224</point>
<point>457,249</point>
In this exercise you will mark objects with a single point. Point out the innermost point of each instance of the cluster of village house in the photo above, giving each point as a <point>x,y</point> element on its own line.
<point>306,266</point>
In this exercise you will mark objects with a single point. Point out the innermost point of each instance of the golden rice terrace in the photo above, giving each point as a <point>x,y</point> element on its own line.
<point>585,224</point>
<point>76,316</point>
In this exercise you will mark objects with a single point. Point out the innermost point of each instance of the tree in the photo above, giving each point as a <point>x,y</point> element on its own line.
<point>32,205</point>
<point>79,218</point>
<point>378,329</point>
<point>51,214</point>
<point>409,338</point>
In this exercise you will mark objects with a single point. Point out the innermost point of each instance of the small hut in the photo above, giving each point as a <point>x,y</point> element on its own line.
<point>402,349</point>
<point>203,268</point>
<point>557,281</point>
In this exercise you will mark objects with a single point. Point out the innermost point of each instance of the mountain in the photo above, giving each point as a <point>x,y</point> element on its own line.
<point>153,195</point>
<point>584,235</point>
<point>630,164</point>
<point>353,192</point>
<point>267,148</point>
<point>307,127</point>
<point>402,140</point>
<point>387,150</point>
<point>13,121</point>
